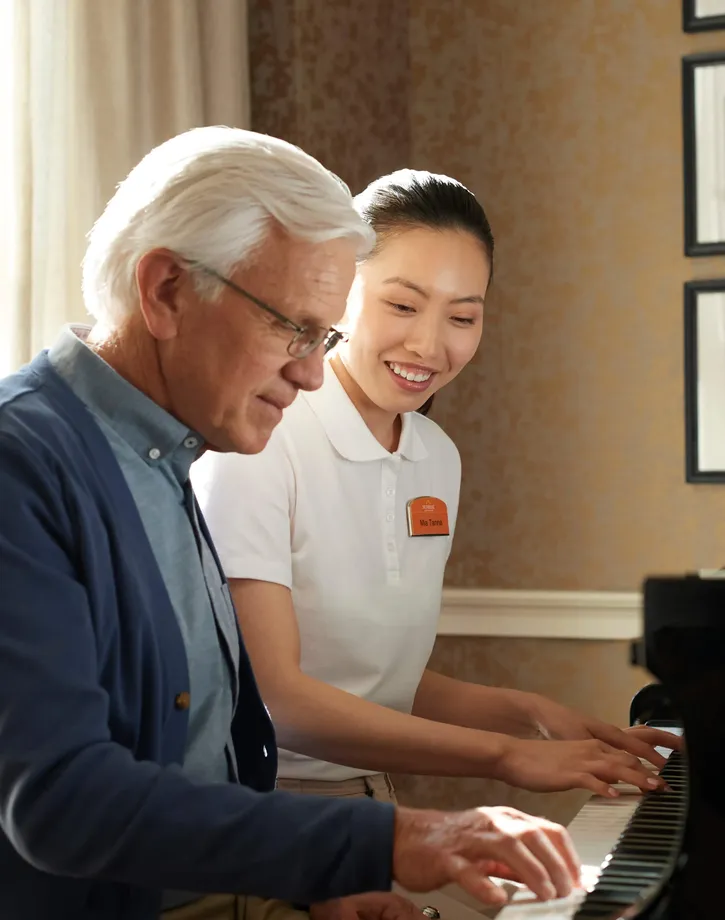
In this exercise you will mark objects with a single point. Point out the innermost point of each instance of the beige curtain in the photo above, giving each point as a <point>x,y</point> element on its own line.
<point>87,87</point>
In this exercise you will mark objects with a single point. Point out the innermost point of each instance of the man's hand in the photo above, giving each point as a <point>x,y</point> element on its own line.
<point>562,724</point>
<point>376,905</point>
<point>433,848</point>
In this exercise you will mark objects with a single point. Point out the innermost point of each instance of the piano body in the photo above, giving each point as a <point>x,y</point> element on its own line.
<point>668,847</point>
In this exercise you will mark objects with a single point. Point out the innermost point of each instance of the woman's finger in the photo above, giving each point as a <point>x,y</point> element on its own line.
<point>637,745</point>
<point>619,766</point>
<point>587,780</point>
<point>643,780</point>
<point>656,737</point>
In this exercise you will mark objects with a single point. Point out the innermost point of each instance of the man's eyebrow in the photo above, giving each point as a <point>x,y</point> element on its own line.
<point>470,298</point>
<point>306,319</point>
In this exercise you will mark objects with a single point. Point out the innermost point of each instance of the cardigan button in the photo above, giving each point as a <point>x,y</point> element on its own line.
<point>182,701</point>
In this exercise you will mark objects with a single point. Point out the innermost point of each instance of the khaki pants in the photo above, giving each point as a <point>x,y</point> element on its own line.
<point>234,907</point>
<point>378,786</point>
<point>451,902</point>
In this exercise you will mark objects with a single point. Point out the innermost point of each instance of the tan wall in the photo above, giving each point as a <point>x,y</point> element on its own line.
<point>332,76</point>
<point>565,118</point>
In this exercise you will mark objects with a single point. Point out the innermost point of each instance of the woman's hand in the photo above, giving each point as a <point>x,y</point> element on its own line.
<point>562,724</point>
<point>556,766</point>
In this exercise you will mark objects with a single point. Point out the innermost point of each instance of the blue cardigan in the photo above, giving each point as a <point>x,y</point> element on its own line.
<point>96,817</point>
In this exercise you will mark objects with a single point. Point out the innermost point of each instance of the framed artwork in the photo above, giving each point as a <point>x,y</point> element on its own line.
<point>703,126</point>
<point>703,15</point>
<point>705,381</point>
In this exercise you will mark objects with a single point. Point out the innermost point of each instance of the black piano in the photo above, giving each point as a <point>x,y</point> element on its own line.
<point>666,863</point>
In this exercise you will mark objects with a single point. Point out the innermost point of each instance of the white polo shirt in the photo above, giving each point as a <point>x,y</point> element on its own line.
<point>323,510</point>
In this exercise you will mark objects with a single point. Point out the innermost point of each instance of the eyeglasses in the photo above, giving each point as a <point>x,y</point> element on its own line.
<point>306,339</point>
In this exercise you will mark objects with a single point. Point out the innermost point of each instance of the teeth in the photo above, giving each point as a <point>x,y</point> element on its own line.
<point>409,375</point>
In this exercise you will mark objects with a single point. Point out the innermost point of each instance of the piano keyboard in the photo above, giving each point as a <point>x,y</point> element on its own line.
<point>594,831</point>
<point>645,853</point>
<point>626,846</point>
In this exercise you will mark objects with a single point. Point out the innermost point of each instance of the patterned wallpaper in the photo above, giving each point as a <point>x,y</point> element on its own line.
<point>332,76</point>
<point>565,118</point>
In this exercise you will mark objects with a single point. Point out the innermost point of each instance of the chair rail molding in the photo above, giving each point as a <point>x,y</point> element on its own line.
<point>607,615</point>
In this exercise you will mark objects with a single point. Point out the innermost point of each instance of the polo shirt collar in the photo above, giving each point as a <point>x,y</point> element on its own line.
<point>154,434</point>
<point>347,431</point>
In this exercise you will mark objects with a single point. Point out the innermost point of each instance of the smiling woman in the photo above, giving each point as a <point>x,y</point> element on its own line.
<point>316,532</point>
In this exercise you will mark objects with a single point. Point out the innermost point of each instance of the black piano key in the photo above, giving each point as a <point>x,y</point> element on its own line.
<point>627,873</point>
<point>595,912</point>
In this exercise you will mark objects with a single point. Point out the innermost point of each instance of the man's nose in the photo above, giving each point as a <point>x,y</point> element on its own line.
<point>307,373</point>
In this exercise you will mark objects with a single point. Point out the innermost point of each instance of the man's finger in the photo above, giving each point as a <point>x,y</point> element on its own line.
<point>565,846</point>
<point>473,880</point>
<point>540,844</point>
<point>385,906</point>
<point>336,909</point>
<point>528,867</point>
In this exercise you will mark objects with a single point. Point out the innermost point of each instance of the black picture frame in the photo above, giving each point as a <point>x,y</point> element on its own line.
<point>691,22</point>
<point>694,471</point>
<point>690,65</point>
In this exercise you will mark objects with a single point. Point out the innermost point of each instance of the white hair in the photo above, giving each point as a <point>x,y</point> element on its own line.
<point>211,195</point>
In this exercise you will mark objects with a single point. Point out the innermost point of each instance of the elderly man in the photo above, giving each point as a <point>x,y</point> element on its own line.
<point>136,757</point>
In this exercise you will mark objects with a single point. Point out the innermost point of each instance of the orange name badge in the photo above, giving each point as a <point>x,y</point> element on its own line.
<point>427,517</point>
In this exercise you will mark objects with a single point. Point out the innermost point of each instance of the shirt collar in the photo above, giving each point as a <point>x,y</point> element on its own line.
<point>347,431</point>
<point>154,434</point>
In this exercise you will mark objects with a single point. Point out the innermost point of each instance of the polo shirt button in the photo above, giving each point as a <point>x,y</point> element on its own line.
<point>389,517</point>
<point>191,442</point>
<point>390,492</point>
<point>182,701</point>
<point>154,453</point>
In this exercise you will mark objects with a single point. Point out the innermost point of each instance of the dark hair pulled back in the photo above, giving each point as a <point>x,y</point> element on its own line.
<point>411,198</point>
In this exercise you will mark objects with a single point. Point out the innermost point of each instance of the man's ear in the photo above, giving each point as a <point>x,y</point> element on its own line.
<point>163,285</point>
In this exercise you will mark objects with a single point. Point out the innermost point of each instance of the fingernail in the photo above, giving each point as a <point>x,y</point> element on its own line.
<point>613,792</point>
<point>549,891</point>
<point>653,783</point>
